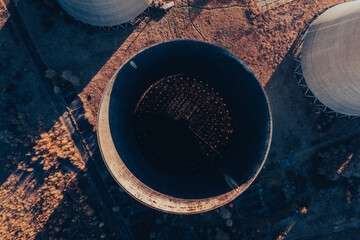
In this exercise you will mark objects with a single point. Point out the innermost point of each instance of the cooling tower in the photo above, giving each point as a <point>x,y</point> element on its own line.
<point>330,58</point>
<point>184,127</point>
<point>104,13</point>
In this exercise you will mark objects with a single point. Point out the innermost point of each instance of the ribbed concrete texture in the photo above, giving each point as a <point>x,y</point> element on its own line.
<point>331,58</point>
<point>104,13</point>
<point>184,127</point>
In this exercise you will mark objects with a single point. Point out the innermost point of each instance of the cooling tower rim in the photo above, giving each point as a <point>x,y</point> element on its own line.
<point>298,43</point>
<point>122,24</point>
<point>107,28</point>
<point>301,81</point>
<point>157,200</point>
<point>330,102</point>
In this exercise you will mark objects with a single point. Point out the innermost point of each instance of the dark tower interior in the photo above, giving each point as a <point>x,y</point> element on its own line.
<point>189,119</point>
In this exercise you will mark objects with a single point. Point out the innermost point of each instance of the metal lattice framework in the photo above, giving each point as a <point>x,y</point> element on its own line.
<point>130,23</point>
<point>106,15</point>
<point>297,53</point>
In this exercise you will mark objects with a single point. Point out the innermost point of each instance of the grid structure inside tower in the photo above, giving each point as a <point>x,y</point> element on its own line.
<point>182,125</point>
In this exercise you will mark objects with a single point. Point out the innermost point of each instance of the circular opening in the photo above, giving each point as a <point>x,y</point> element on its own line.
<point>188,119</point>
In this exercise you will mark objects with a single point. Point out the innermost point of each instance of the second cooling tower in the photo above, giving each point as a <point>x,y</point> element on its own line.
<point>104,13</point>
<point>330,58</point>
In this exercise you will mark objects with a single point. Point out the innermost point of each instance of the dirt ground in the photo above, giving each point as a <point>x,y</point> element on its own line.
<point>289,199</point>
<point>43,192</point>
<point>262,40</point>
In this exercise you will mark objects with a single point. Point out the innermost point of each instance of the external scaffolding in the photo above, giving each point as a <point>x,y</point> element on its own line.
<point>301,81</point>
<point>118,27</point>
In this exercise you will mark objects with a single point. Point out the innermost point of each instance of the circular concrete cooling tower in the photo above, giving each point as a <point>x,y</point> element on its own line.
<point>330,58</point>
<point>104,13</point>
<point>184,127</point>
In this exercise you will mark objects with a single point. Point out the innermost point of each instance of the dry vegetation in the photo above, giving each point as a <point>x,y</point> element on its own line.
<point>45,190</point>
<point>261,39</point>
<point>4,13</point>
<point>43,194</point>
<point>31,194</point>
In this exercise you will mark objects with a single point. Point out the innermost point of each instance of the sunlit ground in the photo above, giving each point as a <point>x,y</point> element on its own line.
<point>31,194</point>
<point>4,13</point>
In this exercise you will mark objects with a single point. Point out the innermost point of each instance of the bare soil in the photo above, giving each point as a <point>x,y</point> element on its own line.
<point>43,180</point>
<point>38,157</point>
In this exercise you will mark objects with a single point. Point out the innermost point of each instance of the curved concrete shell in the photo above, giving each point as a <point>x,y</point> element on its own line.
<point>330,58</point>
<point>213,184</point>
<point>104,13</point>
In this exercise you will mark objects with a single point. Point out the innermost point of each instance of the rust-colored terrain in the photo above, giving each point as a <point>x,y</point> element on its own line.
<point>260,39</point>
<point>53,73</point>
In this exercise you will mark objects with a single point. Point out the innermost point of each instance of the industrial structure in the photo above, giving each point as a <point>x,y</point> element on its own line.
<point>184,127</point>
<point>330,59</point>
<point>104,13</point>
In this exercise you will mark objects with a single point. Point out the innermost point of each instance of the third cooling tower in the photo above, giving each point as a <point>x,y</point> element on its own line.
<point>330,58</point>
<point>104,13</point>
